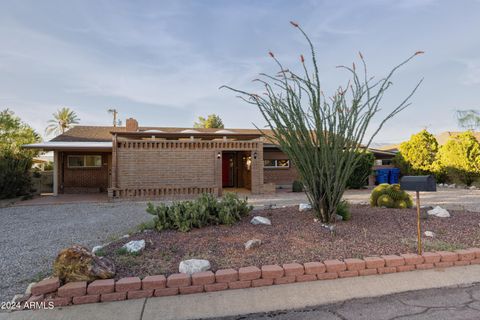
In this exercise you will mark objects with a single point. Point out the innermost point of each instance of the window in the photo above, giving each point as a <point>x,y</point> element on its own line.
<point>280,163</point>
<point>85,161</point>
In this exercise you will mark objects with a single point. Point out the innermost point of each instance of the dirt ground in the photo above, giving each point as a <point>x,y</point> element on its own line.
<point>295,237</point>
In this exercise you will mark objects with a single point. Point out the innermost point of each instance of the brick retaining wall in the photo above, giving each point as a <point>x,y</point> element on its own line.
<point>50,290</point>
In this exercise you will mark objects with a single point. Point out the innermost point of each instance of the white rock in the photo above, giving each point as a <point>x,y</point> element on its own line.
<point>193,266</point>
<point>135,246</point>
<point>261,220</point>
<point>96,248</point>
<point>338,217</point>
<point>304,207</point>
<point>315,219</point>
<point>473,188</point>
<point>252,244</point>
<point>439,212</point>
<point>125,236</point>
<point>430,234</point>
<point>452,186</point>
<point>28,291</point>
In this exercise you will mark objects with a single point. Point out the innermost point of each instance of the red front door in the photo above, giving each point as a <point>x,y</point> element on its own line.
<point>227,170</point>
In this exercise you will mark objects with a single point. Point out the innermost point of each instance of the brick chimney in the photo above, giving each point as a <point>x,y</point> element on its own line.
<point>131,125</point>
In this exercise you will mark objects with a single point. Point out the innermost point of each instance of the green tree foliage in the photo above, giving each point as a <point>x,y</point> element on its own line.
<point>322,135</point>
<point>62,120</point>
<point>14,133</point>
<point>15,162</point>
<point>212,121</point>
<point>359,177</point>
<point>460,158</point>
<point>417,156</point>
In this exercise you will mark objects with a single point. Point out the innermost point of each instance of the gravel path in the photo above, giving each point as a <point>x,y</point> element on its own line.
<point>31,236</point>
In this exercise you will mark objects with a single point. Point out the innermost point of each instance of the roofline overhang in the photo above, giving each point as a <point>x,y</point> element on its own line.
<point>70,146</point>
<point>207,135</point>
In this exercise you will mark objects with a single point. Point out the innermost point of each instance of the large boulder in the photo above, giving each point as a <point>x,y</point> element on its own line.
<point>193,266</point>
<point>77,263</point>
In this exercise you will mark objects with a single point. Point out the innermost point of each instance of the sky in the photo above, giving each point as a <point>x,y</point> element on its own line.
<point>162,62</point>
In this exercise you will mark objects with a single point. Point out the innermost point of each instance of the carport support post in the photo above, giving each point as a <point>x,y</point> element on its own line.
<point>419,230</point>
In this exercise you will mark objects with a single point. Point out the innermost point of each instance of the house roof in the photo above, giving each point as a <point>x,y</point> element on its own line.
<point>99,134</point>
<point>81,137</point>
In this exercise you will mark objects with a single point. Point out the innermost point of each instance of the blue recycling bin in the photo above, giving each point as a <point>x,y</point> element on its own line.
<point>394,175</point>
<point>382,175</point>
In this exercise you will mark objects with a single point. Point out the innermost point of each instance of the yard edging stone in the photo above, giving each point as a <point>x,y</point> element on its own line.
<point>49,290</point>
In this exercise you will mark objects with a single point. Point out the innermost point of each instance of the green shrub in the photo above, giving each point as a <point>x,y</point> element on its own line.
<point>205,210</point>
<point>297,186</point>
<point>14,175</point>
<point>363,169</point>
<point>343,209</point>
<point>390,196</point>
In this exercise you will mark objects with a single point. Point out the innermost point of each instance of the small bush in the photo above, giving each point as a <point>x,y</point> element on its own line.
<point>205,210</point>
<point>390,196</point>
<point>121,251</point>
<point>363,169</point>
<point>343,209</point>
<point>297,186</point>
<point>14,175</point>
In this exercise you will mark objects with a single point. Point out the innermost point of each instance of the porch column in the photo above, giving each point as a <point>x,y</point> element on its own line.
<point>55,173</point>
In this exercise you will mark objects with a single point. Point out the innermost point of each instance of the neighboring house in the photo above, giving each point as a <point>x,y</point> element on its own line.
<point>158,162</point>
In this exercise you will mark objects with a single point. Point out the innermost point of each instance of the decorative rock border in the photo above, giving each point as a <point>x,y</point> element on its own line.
<point>49,290</point>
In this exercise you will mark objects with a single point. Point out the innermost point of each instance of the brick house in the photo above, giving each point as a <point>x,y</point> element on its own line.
<point>159,162</point>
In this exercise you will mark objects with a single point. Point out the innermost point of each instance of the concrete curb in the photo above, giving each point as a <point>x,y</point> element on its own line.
<point>263,299</point>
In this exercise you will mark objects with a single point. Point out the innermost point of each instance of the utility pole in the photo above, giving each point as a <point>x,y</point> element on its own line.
<point>114,112</point>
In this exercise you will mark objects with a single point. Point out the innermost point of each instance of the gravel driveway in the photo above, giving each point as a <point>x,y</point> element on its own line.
<point>31,236</point>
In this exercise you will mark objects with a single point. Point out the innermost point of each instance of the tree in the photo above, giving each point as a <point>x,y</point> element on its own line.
<point>417,156</point>
<point>212,121</point>
<point>14,134</point>
<point>468,119</point>
<point>460,157</point>
<point>322,136</point>
<point>15,162</point>
<point>62,120</point>
<point>363,169</point>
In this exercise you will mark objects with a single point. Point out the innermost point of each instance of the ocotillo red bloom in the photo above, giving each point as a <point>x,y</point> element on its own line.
<point>419,52</point>
<point>361,55</point>
<point>353,65</point>
<point>294,24</point>
<point>302,58</point>
<point>271,54</point>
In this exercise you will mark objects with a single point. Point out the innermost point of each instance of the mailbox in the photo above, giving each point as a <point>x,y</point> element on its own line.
<point>418,183</point>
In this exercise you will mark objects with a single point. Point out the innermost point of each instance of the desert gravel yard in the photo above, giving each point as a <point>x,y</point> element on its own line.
<point>295,237</point>
<point>31,236</point>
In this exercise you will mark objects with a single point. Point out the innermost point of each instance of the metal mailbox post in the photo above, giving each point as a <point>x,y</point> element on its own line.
<point>417,184</point>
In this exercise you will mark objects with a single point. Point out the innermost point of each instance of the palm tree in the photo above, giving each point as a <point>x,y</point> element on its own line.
<point>62,120</point>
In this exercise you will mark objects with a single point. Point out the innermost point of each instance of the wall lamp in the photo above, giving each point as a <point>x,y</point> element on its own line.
<point>255,155</point>
<point>219,155</point>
